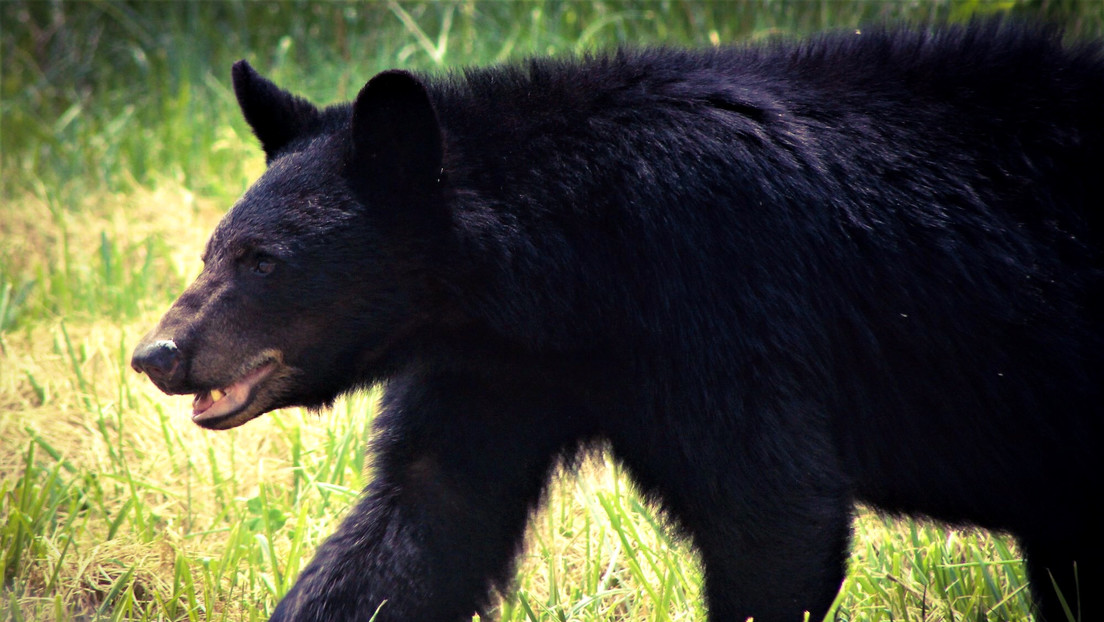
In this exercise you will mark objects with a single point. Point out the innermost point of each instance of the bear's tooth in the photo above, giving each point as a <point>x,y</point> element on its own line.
<point>217,395</point>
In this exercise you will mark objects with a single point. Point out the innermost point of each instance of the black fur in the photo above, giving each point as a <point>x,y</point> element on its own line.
<point>775,280</point>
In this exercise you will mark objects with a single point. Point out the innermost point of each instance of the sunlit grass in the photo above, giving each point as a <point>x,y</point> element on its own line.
<point>122,506</point>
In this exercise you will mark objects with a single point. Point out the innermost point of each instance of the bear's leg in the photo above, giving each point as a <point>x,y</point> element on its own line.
<point>1050,564</point>
<point>768,510</point>
<point>456,475</point>
<point>773,559</point>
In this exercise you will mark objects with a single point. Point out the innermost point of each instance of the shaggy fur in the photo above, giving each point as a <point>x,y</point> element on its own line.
<point>774,280</point>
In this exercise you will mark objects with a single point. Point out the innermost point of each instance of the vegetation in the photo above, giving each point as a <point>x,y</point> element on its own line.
<point>121,146</point>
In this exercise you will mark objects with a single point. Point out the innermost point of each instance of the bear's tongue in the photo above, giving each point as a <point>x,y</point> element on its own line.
<point>220,402</point>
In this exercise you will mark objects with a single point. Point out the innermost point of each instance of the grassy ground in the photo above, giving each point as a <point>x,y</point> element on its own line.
<point>121,146</point>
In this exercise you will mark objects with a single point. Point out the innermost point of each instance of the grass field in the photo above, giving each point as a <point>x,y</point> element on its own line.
<point>121,147</point>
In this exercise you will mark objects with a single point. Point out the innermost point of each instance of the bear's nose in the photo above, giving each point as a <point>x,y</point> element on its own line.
<point>160,360</point>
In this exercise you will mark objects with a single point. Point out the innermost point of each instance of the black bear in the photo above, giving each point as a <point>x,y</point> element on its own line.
<point>773,280</point>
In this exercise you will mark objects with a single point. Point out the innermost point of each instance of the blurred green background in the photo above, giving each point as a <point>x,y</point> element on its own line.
<point>105,94</point>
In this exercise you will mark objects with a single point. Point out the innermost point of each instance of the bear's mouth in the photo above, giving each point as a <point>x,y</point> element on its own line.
<point>218,408</point>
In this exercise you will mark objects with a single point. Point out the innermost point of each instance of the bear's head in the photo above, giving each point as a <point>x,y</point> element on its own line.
<point>318,276</point>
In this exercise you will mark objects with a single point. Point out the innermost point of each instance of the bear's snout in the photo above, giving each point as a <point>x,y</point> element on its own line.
<point>162,362</point>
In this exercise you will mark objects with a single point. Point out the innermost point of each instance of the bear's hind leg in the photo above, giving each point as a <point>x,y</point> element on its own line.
<point>775,564</point>
<point>1064,567</point>
<point>772,527</point>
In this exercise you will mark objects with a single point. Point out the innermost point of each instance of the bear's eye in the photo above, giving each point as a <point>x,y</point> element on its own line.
<point>263,265</point>
<point>255,262</point>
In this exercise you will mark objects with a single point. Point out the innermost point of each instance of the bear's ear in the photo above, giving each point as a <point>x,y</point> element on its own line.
<point>396,137</point>
<point>276,116</point>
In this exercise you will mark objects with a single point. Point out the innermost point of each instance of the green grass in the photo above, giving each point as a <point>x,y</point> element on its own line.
<point>121,146</point>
